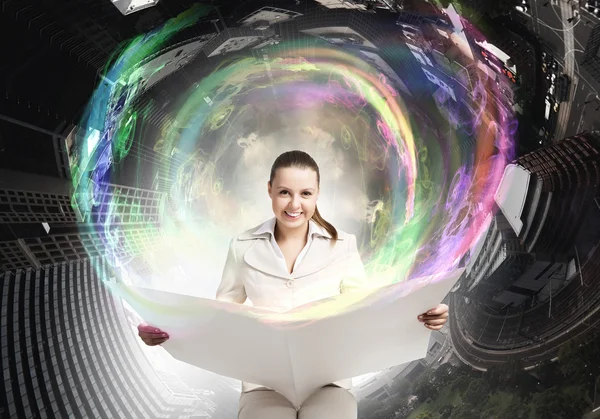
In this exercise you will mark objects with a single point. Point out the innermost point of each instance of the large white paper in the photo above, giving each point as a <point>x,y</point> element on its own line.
<point>295,358</point>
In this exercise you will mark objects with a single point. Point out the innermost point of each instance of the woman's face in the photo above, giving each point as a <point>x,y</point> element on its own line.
<point>294,194</point>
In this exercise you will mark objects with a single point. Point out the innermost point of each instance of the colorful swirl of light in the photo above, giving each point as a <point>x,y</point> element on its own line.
<point>433,201</point>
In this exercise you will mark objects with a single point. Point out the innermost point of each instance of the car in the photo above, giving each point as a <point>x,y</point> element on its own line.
<point>562,88</point>
<point>591,5</point>
<point>522,8</point>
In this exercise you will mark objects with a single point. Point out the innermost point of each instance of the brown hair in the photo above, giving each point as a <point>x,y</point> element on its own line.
<point>301,160</point>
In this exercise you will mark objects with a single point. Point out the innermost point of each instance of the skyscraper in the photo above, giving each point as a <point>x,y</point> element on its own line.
<point>549,201</point>
<point>546,194</point>
<point>67,351</point>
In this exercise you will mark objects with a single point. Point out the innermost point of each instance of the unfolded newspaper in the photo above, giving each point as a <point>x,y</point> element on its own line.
<point>295,357</point>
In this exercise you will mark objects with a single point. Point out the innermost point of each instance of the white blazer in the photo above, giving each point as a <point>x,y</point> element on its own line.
<point>252,271</point>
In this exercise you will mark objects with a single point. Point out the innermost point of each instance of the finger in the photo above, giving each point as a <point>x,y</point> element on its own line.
<point>154,342</point>
<point>427,318</point>
<point>433,327</point>
<point>435,322</point>
<point>150,335</point>
<point>439,316</point>
<point>442,308</point>
<point>149,329</point>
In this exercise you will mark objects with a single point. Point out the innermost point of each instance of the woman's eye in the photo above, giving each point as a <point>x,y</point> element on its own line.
<point>307,193</point>
<point>283,192</point>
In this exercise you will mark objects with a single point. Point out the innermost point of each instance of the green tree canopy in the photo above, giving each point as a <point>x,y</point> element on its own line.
<point>505,405</point>
<point>465,411</point>
<point>425,390</point>
<point>425,415</point>
<point>477,392</point>
<point>556,404</point>
<point>446,411</point>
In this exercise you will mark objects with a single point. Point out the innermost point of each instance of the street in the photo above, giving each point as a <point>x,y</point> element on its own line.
<point>567,41</point>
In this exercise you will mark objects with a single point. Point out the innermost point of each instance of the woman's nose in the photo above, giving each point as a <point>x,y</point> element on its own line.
<point>295,202</point>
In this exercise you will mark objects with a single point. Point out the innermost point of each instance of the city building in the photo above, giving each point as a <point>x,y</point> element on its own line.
<point>500,262</point>
<point>67,351</point>
<point>547,194</point>
<point>40,226</point>
<point>419,12</point>
<point>235,39</point>
<point>127,7</point>
<point>267,16</point>
<point>362,5</point>
<point>530,245</point>
<point>33,198</point>
<point>591,56</point>
<point>534,274</point>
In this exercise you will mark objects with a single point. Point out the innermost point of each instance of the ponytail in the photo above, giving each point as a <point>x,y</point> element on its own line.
<point>317,218</point>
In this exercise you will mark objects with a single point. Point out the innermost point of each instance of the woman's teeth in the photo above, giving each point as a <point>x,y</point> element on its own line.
<point>293,214</point>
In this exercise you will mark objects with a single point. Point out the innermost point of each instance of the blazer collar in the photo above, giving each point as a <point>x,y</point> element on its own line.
<point>262,257</point>
<point>268,229</point>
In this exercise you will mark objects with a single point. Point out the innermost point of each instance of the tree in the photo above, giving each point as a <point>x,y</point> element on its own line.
<point>517,409</point>
<point>399,404</point>
<point>500,408</point>
<point>467,371</point>
<point>505,375</point>
<point>465,411</point>
<point>556,404</point>
<point>578,360</point>
<point>548,373</point>
<point>446,411</point>
<point>425,415</point>
<point>425,390</point>
<point>477,392</point>
<point>443,375</point>
<point>460,383</point>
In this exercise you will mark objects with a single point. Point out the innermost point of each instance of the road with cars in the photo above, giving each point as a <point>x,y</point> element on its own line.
<point>564,27</point>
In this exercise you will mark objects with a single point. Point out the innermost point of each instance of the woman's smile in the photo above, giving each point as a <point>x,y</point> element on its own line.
<point>292,215</point>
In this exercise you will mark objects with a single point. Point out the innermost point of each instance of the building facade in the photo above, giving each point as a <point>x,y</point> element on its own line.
<point>66,350</point>
<point>548,202</point>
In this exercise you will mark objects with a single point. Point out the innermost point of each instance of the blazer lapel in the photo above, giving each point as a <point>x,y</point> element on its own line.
<point>320,255</point>
<point>262,257</point>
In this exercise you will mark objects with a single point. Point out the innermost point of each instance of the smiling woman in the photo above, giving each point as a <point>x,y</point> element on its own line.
<point>294,189</point>
<point>293,259</point>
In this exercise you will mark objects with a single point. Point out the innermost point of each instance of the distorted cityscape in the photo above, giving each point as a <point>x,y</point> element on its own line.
<point>136,139</point>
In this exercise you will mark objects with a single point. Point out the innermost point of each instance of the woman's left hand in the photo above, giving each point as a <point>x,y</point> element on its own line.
<point>435,318</point>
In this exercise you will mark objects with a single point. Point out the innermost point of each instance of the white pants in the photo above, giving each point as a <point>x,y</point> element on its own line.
<point>327,403</point>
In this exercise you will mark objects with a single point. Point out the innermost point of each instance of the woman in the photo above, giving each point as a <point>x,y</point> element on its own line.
<point>293,259</point>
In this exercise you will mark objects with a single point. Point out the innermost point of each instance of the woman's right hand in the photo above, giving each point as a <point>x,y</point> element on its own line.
<point>151,335</point>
